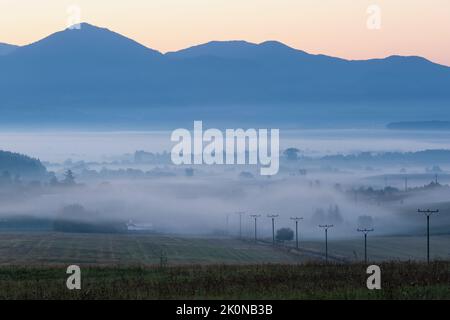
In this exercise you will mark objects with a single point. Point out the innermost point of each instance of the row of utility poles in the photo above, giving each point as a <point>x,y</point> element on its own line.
<point>296,219</point>
<point>271,216</point>
<point>364,231</point>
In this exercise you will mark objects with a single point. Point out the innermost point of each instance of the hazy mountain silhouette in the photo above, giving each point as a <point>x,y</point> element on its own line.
<point>239,50</point>
<point>88,42</point>
<point>94,74</point>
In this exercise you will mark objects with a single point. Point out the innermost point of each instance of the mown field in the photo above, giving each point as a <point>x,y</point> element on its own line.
<point>384,248</point>
<point>37,248</point>
<point>131,249</point>
<point>399,280</point>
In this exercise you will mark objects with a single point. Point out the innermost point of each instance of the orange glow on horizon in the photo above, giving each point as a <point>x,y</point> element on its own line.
<point>332,27</point>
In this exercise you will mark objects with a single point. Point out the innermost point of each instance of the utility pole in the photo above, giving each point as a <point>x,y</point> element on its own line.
<point>365,231</point>
<point>296,219</point>
<point>240,213</point>
<point>326,227</point>
<point>255,216</point>
<point>428,213</point>
<point>273,216</point>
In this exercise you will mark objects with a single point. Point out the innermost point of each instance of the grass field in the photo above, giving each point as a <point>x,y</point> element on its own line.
<point>127,266</point>
<point>114,249</point>
<point>387,248</point>
<point>400,280</point>
<point>42,248</point>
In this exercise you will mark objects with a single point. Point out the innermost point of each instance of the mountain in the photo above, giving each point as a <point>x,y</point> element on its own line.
<point>239,50</point>
<point>89,43</point>
<point>6,48</point>
<point>94,75</point>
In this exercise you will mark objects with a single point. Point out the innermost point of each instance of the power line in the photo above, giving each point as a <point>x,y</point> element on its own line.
<point>255,216</point>
<point>365,231</point>
<point>428,213</point>
<point>273,216</point>
<point>296,219</point>
<point>326,227</point>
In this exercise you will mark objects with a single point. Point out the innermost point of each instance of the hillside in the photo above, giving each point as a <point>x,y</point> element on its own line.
<point>12,164</point>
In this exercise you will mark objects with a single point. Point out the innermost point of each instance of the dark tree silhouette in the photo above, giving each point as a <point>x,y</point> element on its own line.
<point>291,153</point>
<point>285,234</point>
<point>69,178</point>
<point>18,164</point>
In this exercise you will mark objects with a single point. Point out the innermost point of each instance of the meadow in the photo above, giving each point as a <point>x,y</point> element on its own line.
<point>400,280</point>
<point>151,266</point>
<point>37,248</point>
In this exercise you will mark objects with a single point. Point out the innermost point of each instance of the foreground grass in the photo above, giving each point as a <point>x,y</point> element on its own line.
<point>400,280</point>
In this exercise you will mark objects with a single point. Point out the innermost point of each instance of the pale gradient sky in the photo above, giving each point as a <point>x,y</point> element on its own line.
<point>333,27</point>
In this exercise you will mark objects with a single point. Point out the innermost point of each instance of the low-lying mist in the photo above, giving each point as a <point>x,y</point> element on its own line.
<point>208,204</point>
<point>117,183</point>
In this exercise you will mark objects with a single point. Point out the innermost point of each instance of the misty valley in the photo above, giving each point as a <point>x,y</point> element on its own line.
<point>101,187</point>
<point>224,150</point>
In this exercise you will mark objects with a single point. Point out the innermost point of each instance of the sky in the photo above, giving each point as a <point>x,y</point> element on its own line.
<point>352,29</point>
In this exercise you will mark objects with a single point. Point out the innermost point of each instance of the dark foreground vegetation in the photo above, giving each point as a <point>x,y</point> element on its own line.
<point>399,280</point>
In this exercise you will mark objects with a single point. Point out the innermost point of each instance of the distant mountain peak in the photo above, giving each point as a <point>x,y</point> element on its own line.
<point>236,49</point>
<point>281,47</point>
<point>409,58</point>
<point>229,42</point>
<point>87,40</point>
<point>85,26</point>
<point>274,43</point>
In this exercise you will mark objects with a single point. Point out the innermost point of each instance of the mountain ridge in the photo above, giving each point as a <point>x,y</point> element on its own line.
<point>85,25</point>
<point>94,73</point>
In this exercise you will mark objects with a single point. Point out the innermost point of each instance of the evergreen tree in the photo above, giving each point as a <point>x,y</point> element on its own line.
<point>69,178</point>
